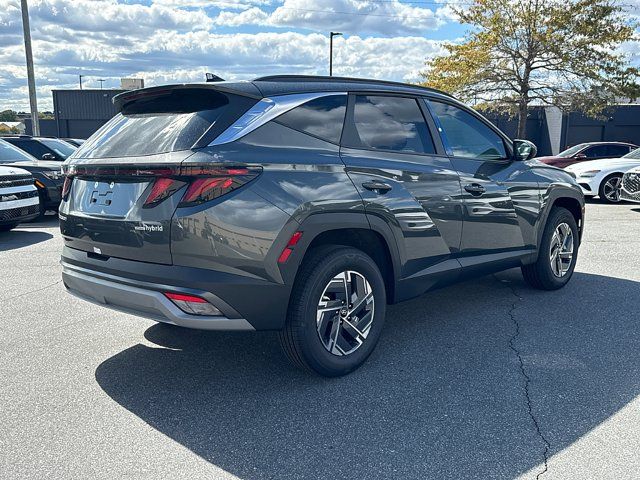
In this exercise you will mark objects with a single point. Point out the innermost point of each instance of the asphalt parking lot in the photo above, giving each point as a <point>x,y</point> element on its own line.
<point>486,379</point>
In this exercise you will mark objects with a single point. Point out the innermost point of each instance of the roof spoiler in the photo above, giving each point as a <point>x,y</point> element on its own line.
<point>122,100</point>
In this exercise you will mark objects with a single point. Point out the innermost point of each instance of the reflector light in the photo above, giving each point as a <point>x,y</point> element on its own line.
<point>284,256</point>
<point>184,298</point>
<point>295,238</point>
<point>193,305</point>
<point>288,250</point>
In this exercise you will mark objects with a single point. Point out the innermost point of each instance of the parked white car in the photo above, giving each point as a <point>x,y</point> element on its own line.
<point>631,186</point>
<point>19,200</point>
<point>603,178</point>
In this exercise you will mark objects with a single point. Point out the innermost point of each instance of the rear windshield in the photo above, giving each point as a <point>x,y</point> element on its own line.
<point>9,154</point>
<point>164,123</point>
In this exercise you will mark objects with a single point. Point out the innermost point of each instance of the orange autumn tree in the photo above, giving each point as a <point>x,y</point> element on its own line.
<point>544,52</point>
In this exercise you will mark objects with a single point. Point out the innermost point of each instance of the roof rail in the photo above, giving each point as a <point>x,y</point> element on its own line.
<point>322,78</point>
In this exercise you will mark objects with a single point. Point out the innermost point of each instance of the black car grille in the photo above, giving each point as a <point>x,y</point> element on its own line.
<point>631,182</point>
<point>16,213</point>
<point>8,197</point>
<point>15,180</point>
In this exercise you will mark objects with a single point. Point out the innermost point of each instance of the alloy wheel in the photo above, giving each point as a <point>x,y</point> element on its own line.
<point>611,189</point>
<point>345,313</point>
<point>561,250</point>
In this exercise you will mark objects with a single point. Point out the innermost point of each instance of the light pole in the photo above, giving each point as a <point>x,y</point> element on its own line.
<point>331,35</point>
<point>30,75</point>
<point>101,80</point>
<point>80,77</point>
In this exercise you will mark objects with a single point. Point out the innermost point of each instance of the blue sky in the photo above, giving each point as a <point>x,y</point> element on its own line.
<point>168,41</point>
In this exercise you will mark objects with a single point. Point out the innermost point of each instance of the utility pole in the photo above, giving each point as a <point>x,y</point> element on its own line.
<point>30,75</point>
<point>101,80</point>
<point>331,35</point>
<point>80,77</point>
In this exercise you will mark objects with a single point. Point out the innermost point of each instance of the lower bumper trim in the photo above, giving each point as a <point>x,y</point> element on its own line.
<point>142,302</point>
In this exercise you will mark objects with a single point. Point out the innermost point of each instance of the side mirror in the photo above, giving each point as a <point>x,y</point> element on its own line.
<point>48,156</point>
<point>524,149</point>
<point>580,156</point>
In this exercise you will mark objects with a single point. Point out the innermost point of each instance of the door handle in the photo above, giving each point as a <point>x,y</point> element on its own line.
<point>378,187</point>
<point>475,189</point>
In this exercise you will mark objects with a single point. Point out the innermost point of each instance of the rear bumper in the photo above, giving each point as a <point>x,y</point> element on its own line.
<point>138,288</point>
<point>143,301</point>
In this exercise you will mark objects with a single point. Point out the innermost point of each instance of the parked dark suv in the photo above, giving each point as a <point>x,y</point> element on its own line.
<point>305,205</point>
<point>42,148</point>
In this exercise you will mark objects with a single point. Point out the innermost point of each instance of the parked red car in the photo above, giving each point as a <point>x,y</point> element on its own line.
<point>588,151</point>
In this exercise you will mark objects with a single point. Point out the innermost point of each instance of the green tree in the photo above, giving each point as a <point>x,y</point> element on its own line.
<point>546,52</point>
<point>8,116</point>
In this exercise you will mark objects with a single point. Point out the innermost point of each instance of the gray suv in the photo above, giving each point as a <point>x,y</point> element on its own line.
<point>305,205</point>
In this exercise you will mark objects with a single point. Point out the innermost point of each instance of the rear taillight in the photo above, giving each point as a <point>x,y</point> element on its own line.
<point>213,182</point>
<point>192,304</point>
<point>162,188</point>
<point>205,182</point>
<point>66,187</point>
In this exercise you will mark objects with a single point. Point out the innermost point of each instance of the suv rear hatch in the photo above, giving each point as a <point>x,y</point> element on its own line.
<point>124,184</point>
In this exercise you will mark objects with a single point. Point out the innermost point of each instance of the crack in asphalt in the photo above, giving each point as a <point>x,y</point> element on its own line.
<point>527,379</point>
<point>4,300</point>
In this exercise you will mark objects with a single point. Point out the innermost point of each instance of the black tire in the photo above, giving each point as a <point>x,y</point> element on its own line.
<point>601,189</point>
<point>7,227</point>
<point>41,207</point>
<point>300,339</point>
<point>540,274</point>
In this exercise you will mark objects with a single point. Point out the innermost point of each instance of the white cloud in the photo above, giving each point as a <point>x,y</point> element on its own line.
<point>179,40</point>
<point>350,16</point>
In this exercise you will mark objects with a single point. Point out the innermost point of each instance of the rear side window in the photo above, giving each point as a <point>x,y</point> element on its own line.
<point>466,135</point>
<point>322,117</point>
<point>617,150</point>
<point>171,121</point>
<point>390,123</point>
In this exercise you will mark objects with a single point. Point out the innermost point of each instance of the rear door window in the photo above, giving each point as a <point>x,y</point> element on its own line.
<point>322,117</point>
<point>389,123</point>
<point>597,151</point>
<point>166,122</point>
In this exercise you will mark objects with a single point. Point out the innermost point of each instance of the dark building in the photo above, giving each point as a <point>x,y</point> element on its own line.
<point>78,113</point>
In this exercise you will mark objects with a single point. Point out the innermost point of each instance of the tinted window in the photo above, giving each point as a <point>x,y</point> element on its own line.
<point>322,117</point>
<point>157,124</point>
<point>390,123</point>
<point>569,152</point>
<point>466,135</point>
<point>617,150</point>
<point>63,149</point>
<point>596,152</point>
<point>9,153</point>
<point>31,147</point>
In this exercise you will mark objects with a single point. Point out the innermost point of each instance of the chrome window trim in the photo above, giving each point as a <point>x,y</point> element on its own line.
<point>264,111</point>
